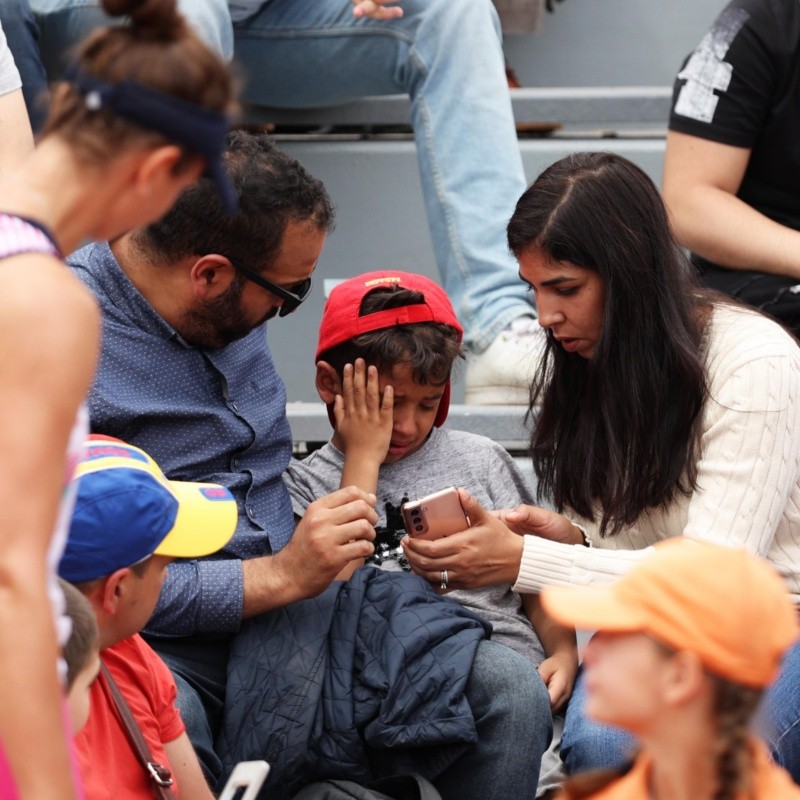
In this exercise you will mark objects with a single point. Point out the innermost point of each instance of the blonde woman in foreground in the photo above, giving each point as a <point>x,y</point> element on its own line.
<point>141,116</point>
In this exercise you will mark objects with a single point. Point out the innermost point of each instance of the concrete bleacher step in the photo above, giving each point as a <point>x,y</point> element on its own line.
<point>505,424</point>
<point>588,55</point>
<point>599,106</point>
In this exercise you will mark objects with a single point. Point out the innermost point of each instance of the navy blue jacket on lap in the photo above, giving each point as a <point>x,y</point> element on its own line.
<point>319,687</point>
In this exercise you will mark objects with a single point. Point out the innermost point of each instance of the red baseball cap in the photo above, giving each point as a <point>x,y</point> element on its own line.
<point>341,320</point>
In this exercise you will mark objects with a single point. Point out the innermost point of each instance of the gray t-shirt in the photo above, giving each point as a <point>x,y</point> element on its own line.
<point>448,458</point>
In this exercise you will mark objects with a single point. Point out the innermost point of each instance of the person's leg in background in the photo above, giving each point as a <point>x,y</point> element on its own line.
<point>447,55</point>
<point>22,34</point>
<point>778,719</point>
<point>775,295</point>
<point>586,744</point>
<point>65,23</point>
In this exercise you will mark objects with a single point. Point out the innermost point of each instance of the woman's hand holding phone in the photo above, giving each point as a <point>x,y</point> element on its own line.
<point>435,515</point>
<point>485,554</point>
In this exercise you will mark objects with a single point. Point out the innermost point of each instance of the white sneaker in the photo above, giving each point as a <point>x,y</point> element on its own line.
<point>502,374</point>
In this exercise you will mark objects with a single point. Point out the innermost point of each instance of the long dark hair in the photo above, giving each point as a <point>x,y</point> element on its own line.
<point>617,433</point>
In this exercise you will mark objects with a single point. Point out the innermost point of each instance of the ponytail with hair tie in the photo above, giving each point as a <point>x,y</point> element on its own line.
<point>146,83</point>
<point>158,19</point>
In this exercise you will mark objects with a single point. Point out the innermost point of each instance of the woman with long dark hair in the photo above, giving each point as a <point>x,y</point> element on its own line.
<point>660,410</point>
<point>142,114</point>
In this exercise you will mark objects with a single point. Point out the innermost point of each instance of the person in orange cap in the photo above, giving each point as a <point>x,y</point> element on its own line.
<point>687,641</point>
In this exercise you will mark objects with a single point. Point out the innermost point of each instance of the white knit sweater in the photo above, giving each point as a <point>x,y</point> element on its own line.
<point>748,475</point>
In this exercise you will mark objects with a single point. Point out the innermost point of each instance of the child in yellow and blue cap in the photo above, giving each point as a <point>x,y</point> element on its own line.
<point>129,523</point>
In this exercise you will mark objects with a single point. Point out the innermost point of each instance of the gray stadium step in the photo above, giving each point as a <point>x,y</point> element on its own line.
<point>592,106</point>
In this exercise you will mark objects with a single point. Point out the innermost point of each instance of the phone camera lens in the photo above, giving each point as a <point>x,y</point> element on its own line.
<point>418,528</point>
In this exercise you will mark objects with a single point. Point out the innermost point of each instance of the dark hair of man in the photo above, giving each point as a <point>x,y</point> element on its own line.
<point>84,637</point>
<point>428,348</point>
<point>619,431</point>
<point>273,189</point>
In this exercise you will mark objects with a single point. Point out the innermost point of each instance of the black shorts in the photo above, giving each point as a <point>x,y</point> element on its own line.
<point>774,295</point>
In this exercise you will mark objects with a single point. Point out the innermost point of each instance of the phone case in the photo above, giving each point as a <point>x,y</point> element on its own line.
<point>435,515</point>
<point>247,775</point>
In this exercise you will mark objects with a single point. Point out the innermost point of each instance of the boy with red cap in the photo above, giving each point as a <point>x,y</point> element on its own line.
<point>387,344</point>
<point>687,642</point>
<point>129,522</point>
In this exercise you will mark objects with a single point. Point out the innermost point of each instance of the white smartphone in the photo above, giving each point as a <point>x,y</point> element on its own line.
<point>435,515</point>
<point>247,776</point>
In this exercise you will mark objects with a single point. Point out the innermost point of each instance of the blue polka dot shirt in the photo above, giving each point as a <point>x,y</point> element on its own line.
<point>203,415</point>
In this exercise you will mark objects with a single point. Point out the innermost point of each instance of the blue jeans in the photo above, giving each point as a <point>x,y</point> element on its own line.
<point>778,719</point>
<point>512,715</point>
<point>64,23</point>
<point>589,745</point>
<point>22,34</point>
<point>508,700</point>
<point>447,55</point>
<point>586,744</point>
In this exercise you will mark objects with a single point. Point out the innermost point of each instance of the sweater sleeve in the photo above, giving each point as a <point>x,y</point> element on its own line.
<point>749,463</point>
<point>545,563</point>
<point>750,455</point>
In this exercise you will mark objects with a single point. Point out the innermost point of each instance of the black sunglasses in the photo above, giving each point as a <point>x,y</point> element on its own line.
<point>292,297</point>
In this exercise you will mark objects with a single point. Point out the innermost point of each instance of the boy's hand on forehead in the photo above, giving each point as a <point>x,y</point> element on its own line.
<point>363,416</point>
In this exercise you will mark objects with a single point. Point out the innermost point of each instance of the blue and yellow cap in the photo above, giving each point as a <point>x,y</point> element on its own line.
<point>127,510</point>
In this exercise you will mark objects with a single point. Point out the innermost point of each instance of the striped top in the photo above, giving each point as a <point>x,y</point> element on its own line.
<point>748,473</point>
<point>19,235</point>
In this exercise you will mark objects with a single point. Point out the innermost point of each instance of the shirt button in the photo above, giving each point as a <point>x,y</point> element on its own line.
<point>236,463</point>
<point>250,512</point>
<point>234,407</point>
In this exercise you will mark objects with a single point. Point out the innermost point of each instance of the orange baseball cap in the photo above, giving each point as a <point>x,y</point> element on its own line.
<point>722,603</point>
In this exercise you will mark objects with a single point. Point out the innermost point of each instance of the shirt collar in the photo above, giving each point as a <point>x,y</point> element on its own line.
<point>124,295</point>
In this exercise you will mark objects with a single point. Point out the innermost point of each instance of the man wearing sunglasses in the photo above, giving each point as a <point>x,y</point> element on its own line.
<point>186,369</point>
<point>186,374</point>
